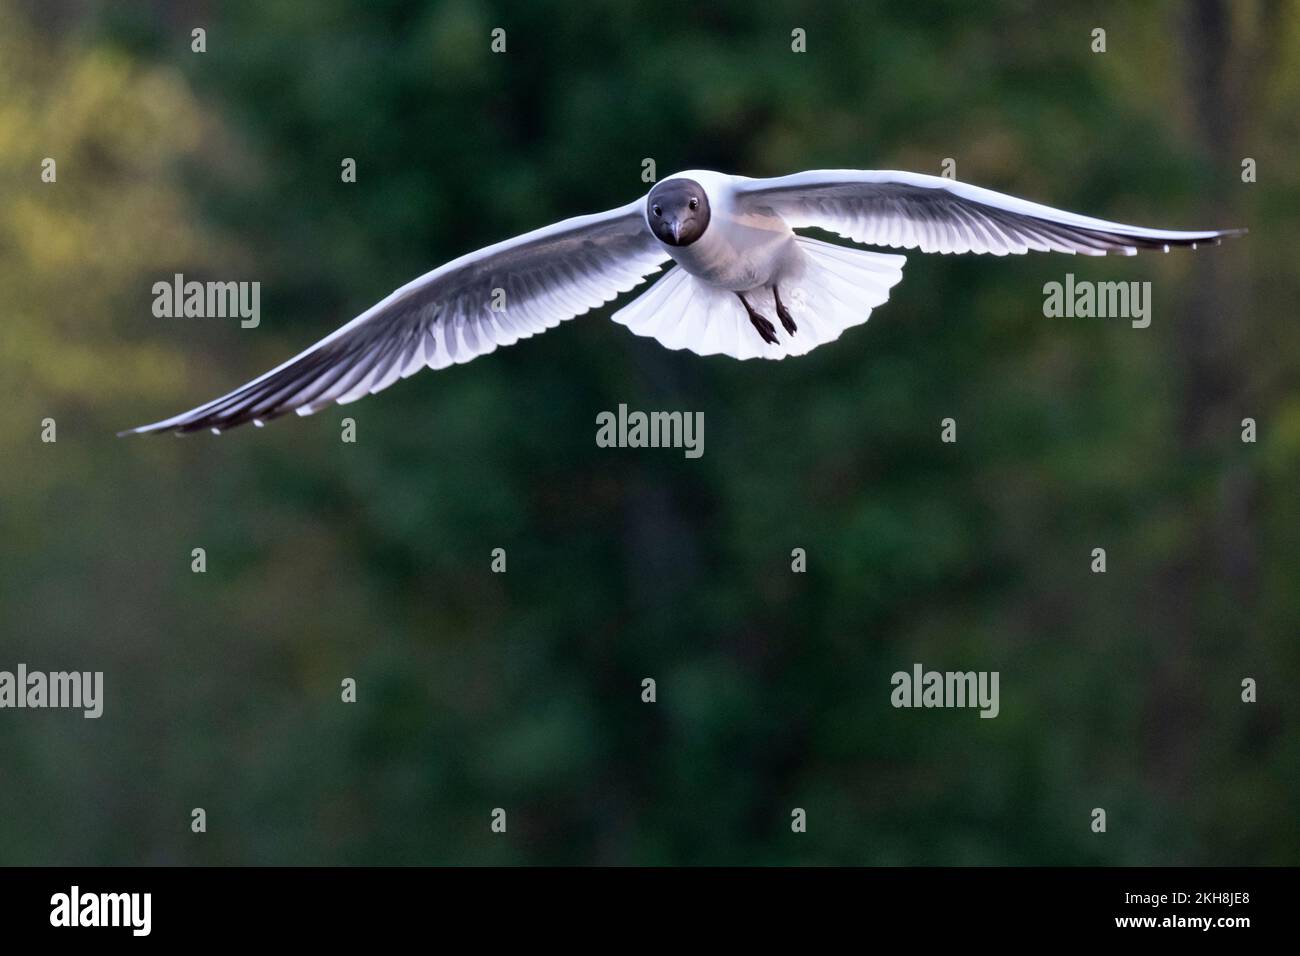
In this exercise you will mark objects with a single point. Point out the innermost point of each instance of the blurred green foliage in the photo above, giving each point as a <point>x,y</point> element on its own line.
<point>522,690</point>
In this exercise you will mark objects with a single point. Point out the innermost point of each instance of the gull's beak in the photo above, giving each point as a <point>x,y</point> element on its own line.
<point>676,227</point>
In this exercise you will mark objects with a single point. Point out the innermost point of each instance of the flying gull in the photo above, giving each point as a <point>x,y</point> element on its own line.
<point>740,262</point>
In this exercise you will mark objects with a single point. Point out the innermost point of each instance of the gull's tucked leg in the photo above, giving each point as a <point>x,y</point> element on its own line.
<point>765,328</point>
<point>783,313</point>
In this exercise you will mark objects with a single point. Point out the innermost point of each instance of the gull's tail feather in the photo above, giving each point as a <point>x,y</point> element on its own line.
<point>829,289</point>
<point>837,287</point>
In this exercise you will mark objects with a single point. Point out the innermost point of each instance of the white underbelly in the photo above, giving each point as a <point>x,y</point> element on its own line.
<point>739,255</point>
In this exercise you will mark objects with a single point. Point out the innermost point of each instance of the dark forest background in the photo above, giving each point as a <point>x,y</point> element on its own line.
<point>522,690</point>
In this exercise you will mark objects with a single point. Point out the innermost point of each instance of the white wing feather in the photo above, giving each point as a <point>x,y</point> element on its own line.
<point>933,214</point>
<point>461,310</point>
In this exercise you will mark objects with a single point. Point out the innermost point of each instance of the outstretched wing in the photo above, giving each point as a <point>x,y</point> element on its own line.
<point>933,214</point>
<point>461,310</point>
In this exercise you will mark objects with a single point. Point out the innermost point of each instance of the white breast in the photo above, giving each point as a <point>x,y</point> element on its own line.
<point>739,250</point>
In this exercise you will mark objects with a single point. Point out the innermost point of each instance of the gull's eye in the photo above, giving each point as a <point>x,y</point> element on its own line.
<point>657,210</point>
<point>693,203</point>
